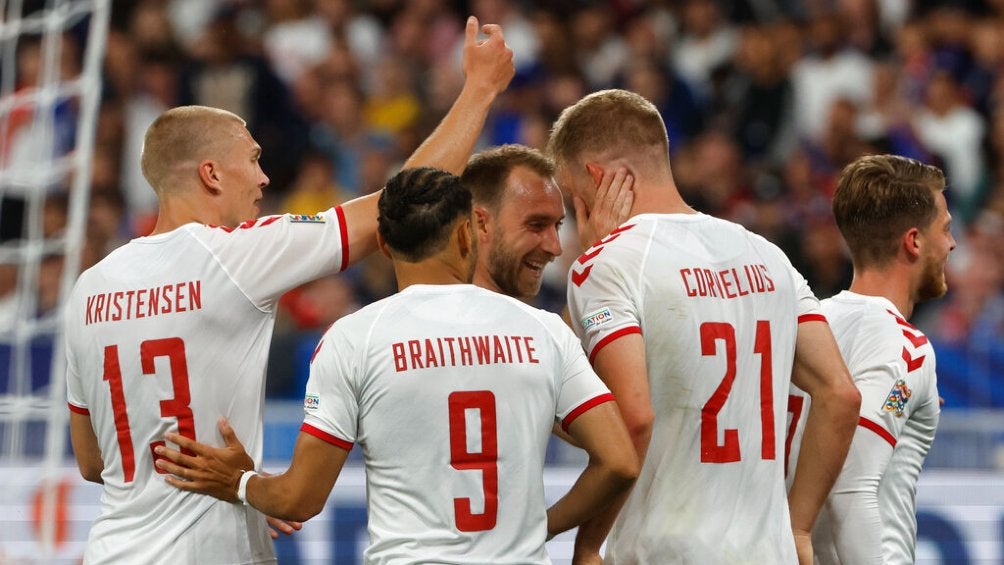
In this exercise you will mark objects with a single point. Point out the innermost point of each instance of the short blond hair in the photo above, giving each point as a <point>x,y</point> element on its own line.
<point>609,121</point>
<point>181,137</point>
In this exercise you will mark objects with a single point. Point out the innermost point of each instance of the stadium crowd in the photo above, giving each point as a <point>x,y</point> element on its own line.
<point>765,102</point>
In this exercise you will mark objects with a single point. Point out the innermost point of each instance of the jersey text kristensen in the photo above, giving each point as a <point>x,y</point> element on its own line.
<point>462,351</point>
<point>143,302</point>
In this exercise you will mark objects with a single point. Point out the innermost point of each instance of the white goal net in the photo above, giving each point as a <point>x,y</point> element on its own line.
<point>51,54</point>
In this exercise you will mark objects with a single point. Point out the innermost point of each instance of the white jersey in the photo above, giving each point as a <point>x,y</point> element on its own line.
<point>452,391</point>
<point>718,308</point>
<point>870,516</point>
<point>170,332</point>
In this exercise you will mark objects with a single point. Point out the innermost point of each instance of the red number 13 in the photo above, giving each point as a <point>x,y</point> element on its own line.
<point>178,407</point>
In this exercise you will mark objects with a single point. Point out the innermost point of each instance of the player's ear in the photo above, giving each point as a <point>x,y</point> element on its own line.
<point>595,172</point>
<point>209,174</point>
<point>482,220</point>
<point>465,238</point>
<point>912,241</point>
<point>382,244</point>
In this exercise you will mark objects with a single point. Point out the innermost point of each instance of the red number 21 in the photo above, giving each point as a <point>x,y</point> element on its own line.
<point>485,460</point>
<point>728,451</point>
<point>174,349</point>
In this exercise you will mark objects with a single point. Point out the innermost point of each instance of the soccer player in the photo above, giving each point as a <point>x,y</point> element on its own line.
<point>450,390</point>
<point>172,330</point>
<point>892,213</point>
<point>519,208</point>
<point>696,325</point>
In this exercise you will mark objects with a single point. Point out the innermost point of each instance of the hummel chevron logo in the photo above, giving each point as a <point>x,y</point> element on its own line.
<point>911,363</point>
<point>589,255</point>
<point>579,278</point>
<point>916,340</point>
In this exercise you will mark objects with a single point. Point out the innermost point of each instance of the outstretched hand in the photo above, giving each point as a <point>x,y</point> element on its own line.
<point>211,470</point>
<point>487,63</point>
<point>612,206</point>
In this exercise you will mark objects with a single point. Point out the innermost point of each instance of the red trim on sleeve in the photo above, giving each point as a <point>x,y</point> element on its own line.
<point>584,407</point>
<point>79,410</point>
<point>325,436</point>
<point>611,338</point>
<point>343,231</point>
<point>882,432</point>
<point>812,318</point>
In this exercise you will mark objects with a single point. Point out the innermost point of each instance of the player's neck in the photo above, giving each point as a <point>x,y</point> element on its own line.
<point>886,283</point>
<point>176,212</point>
<point>659,199</point>
<point>432,271</point>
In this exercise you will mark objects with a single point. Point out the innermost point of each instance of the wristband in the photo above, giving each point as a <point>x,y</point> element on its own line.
<point>242,486</point>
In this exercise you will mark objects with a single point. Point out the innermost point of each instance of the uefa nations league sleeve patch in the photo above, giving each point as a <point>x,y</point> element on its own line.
<point>597,318</point>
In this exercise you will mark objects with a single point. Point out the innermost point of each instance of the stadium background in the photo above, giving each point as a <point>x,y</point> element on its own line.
<point>765,101</point>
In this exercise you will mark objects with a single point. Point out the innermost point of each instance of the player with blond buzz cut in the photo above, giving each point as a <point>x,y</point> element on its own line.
<point>697,326</point>
<point>450,390</point>
<point>172,330</point>
<point>892,213</point>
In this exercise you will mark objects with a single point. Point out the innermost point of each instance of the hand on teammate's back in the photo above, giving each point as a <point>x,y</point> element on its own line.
<point>211,470</point>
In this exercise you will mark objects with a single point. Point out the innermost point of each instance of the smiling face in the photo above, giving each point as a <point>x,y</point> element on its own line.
<point>242,180</point>
<point>939,240</point>
<point>523,235</point>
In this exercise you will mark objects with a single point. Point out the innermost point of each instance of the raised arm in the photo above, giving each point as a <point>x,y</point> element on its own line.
<point>488,69</point>
<point>820,371</point>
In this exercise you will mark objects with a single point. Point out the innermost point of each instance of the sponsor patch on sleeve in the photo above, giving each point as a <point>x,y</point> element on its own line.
<point>302,219</point>
<point>898,397</point>
<point>312,401</point>
<point>597,318</point>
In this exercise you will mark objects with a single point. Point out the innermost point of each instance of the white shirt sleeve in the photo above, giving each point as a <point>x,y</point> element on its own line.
<point>602,298</point>
<point>271,255</point>
<point>330,404</point>
<point>578,386</point>
<point>856,525</point>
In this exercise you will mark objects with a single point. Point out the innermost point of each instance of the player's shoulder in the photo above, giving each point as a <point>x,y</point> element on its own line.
<point>871,321</point>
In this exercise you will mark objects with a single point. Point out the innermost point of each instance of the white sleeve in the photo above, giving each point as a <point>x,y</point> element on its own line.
<point>806,302</point>
<point>578,386</point>
<point>330,404</point>
<point>75,396</point>
<point>602,300</point>
<point>854,501</point>
<point>853,506</point>
<point>271,255</point>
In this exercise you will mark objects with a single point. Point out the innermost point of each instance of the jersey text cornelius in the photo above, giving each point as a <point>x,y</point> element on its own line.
<point>462,351</point>
<point>143,302</point>
<point>727,283</point>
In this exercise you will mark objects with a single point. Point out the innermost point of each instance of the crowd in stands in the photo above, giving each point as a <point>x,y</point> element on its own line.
<point>765,102</point>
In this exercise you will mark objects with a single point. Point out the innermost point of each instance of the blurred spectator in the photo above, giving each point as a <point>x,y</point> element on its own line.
<point>600,52</point>
<point>760,95</point>
<point>226,74</point>
<point>708,42</point>
<point>954,131</point>
<point>829,72</point>
<point>295,38</point>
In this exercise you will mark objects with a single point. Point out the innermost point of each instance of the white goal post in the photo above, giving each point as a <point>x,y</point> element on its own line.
<point>48,117</point>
